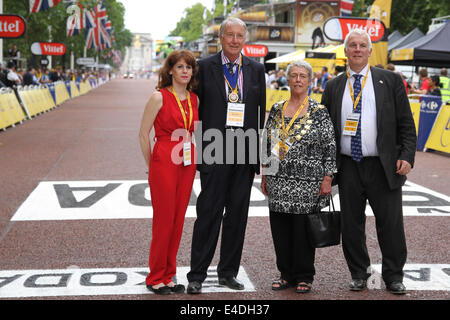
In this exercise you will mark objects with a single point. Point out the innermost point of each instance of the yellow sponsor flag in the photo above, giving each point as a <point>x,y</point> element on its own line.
<point>415,110</point>
<point>381,10</point>
<point>439,138</point>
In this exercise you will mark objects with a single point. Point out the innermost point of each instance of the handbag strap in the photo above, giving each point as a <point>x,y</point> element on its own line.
<point>331,204</point>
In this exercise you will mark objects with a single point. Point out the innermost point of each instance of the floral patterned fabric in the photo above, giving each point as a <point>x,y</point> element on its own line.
<point>293,183</point>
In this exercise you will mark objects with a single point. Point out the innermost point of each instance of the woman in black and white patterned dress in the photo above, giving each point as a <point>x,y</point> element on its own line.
<point>300,160</point>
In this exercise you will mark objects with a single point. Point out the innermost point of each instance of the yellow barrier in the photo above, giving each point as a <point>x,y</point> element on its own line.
<point>85,87</point>
<point>61,94</point>
<point>36,99</point>
<point>273,96</point>
<point>74,90</point>
<point>439,138</point>
<point>10,110</point>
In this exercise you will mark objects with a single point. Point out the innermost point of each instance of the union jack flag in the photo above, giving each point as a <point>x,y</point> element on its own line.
<point>41,5</point>
<point>98,28</point>
<point>346,7</point>
<point>92,40</point>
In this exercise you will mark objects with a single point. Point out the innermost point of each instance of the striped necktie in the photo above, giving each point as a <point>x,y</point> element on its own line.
<point>356,139</point>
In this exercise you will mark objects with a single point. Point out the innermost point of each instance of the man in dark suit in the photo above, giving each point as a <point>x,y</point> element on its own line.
<point>376,143</point>
<point>232,108</point>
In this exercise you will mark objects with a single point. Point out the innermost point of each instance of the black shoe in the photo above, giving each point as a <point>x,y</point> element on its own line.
<point>162,291</point>
<point>396,287</point>
<point>231,283</point>
<point>194,287</point>
<point>358,285</point>
<point>178,288</point>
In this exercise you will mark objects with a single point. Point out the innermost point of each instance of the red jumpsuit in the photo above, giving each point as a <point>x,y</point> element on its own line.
<point>170,187</point>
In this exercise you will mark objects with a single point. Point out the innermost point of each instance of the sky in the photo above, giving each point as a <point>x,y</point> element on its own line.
<point>158,17</point>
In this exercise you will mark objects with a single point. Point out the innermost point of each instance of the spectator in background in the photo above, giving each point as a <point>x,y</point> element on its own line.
<point>272,77</point>
<point>316,82</point>
<point>434,86</point>
<point>45,78</point>
<point>325,77</point>
<point>379,65</point>
<point>445,84</point>
<point>13,54</point>
<point>56,75</point>
<point>391,67</point>
<point>424,84</point>
<point>30,77</point>
<point>12,77</point>
<point>281,78</point>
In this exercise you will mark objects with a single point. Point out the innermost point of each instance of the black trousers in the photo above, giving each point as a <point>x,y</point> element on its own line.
<point>294,252</point>
<point>224,187</point>
<point>359,182</point>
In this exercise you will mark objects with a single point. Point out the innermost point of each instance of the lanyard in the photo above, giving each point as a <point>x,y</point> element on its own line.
<point>182,109</point>
<point>227,73</point>
<point>294,117</point>
<point>355,102</point>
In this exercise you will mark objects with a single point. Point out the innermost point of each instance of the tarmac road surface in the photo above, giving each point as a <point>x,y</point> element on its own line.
<point>75,220</point>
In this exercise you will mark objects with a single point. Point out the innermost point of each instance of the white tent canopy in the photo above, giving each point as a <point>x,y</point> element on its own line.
<point>290,57</point>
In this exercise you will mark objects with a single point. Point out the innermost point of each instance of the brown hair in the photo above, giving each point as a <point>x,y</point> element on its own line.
<point>165,79</point>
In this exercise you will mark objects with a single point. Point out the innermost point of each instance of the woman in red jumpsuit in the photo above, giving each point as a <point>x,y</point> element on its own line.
<point>172,110</point>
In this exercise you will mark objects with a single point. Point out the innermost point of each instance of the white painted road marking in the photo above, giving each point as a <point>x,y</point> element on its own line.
<point>424,276</point>
<point>130,199</point>
<point>126,281</point>
<point>97,282</point>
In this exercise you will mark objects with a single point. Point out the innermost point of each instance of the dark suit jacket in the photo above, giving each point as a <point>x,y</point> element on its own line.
<point>213,101</point>
<point>396,130</point>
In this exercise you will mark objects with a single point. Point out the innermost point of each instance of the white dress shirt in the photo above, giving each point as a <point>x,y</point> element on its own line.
<point>368,116</point>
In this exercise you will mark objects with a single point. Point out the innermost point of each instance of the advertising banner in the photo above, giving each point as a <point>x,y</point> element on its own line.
<point>429,109</point>
<point>12,26</point>
<point>439,138</point>
<point>255,50</point>
<point>337,28</point>
<point>311,15</point>
<point>48,49</point>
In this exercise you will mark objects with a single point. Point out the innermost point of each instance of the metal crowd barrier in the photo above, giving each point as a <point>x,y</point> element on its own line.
<point>26,102</point>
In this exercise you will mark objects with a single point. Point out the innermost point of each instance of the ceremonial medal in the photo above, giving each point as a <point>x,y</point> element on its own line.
<point>233,97</point>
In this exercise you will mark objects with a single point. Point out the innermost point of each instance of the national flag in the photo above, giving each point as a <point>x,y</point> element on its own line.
<point>41,5</point>
<point>346,7</point>
<point>92,41</point>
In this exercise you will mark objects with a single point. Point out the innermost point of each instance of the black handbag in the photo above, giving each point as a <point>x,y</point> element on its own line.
<point>324,227</point>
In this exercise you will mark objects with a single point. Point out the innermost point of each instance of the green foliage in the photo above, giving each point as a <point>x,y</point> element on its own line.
<point>408,14</point>
<point>190,26</point>
<point>56,17</point>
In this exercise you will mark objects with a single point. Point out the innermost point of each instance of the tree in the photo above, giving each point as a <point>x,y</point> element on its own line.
<point>190,26</point>
<point>408,14</point>
<point>38,29</point>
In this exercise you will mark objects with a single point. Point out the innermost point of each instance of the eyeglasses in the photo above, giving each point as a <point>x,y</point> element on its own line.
<point>238,36</point>
<point>299,75</point>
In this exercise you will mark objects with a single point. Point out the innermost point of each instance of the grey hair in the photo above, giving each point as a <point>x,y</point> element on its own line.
<point>361,32</point>
<point>231,21</point>
<point>300,64</point>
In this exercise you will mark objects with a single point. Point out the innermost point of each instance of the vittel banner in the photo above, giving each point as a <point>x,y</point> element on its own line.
<point>48,49</point>
<point>11,26</point>
<point>337,28</point>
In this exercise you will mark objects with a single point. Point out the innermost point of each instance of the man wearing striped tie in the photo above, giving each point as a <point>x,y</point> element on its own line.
<point>376,143</point>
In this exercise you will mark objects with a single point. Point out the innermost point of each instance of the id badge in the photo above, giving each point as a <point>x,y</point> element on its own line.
<point>281,149</point>
<point>235,114</point>
<point>187,154</point>
<point>351,124</point>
